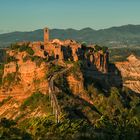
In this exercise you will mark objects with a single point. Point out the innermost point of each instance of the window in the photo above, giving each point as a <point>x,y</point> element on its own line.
<point>57,56</point>
<point>42,47</point>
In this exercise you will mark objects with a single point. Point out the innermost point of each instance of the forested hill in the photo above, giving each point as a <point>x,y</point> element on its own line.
<point>116,36</point>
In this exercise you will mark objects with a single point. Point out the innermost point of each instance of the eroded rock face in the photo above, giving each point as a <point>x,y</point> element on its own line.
<point>76,85</point>
<point>130,71</point>
<point>30,74</point>
<point>27,78</point>
<point>31,77</point>
<point>10,68</point>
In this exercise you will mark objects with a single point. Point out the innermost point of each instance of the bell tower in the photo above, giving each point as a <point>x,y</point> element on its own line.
<point>46,35</point>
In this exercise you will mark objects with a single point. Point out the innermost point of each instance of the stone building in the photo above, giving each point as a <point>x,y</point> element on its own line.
<point>46,35</point>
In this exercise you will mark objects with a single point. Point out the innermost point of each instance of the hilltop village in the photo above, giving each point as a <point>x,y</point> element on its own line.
<point>70,50</point>
<point>28,63</point>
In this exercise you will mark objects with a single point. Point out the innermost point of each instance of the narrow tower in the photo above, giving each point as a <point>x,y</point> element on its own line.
<point>46,35</point>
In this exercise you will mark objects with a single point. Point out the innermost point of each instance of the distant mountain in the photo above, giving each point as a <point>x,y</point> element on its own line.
<point>127,35</point>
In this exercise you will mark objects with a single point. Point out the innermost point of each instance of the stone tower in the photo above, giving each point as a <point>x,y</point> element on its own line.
<point>46,35</point>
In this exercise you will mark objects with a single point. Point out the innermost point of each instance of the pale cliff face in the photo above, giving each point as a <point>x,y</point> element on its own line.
<point>26,78</point>
<point>29,72</point>
<point>76,85</point>
<point>130,71</point>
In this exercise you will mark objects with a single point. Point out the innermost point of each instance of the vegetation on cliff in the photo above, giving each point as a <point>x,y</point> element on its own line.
<point>103,115</point>
<point>22,48</point>
<point>10,131</point>
<point>115,116</point>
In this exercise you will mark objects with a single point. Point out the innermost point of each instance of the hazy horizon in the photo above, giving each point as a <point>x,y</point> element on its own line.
<point>67,28</point>
<point>27,15</point>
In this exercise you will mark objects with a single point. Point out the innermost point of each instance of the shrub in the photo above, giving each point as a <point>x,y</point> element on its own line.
<point>5,100</point>
<point>10,131</point>
<point>28,49</point>
<point>53,69</point>
<point>26,58</point>
<point>9,78</point>
<point>14,47</point>
<point>22,48</point>
<point>35,100</point>
<point>97,48</point>
<point>84,45</point>
<point>11,59</point>
<point>38,60</point>
<point>104,49</point>
<point>76,69</point>
<point>92,91</point>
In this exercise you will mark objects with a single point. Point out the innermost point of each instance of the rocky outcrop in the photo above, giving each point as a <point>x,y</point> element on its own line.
<point>130,71</point>
<point>20,80</point>
<point>33,76</point>
<point>76,85</point>
<point>10,68</point>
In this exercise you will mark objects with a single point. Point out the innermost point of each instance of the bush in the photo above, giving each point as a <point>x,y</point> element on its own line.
<point>84,45</point>
<point>92,91</point>
<point>76,69</point>
<point>38,60</point>
<point>32,100</point>
<point>97,48</point>
<point>37,99</point>
<point>5,100</point>
<point>14,47</point>
<point>10,78</point>
<point>22,48</point>
<point>11,59</point>
<point>10,131</point>
<point>26,58</point>
<point>53,69</point>
<point>104,49</point>
<point>28,49</point>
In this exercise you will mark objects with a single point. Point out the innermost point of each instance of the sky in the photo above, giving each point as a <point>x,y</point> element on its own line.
<point>27,15</point>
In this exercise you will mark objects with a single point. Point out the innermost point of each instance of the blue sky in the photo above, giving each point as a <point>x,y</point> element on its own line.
<point>26,15</point>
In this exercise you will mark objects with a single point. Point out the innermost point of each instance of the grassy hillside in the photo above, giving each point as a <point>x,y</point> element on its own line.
<point>115,116</point>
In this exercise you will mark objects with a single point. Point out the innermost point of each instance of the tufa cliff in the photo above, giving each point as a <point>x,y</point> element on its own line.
<point>130,71</point>
<point>36,66</point>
